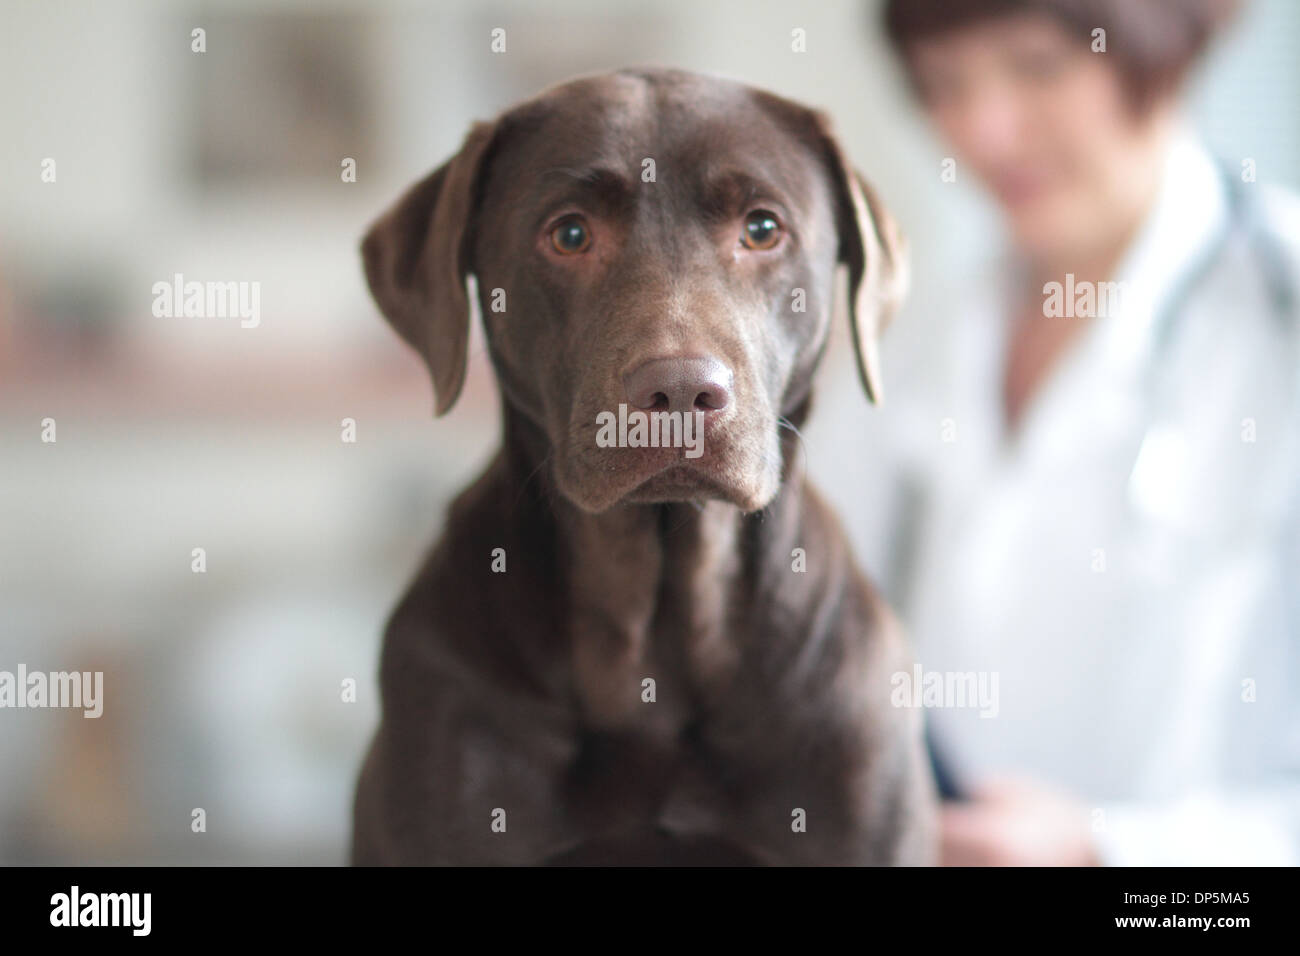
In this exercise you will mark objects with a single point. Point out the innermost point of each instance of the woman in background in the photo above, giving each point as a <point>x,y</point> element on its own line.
<point>1097,460</point>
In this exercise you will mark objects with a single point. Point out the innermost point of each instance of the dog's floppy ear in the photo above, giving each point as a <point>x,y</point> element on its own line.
<point>876,253</point>
<point>416,261</point>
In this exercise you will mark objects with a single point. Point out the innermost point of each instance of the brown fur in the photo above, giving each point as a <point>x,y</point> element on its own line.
<point>522,691</point>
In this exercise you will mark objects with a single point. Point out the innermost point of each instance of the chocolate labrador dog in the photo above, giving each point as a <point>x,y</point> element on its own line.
<point>642,638</point>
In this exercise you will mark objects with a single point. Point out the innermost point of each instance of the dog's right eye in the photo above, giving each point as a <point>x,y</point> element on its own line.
<point>761,231</point>
<point>571,237</point>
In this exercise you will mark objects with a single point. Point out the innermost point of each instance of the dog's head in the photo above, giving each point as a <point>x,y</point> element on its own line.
<point>655,254</point>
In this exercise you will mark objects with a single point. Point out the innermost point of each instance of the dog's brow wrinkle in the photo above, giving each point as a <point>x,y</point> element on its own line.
<point>730,191</point>
<point>603,184</point>
<point>593,175</point>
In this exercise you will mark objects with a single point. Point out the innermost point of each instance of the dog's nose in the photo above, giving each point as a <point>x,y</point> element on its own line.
<point>679,385</point>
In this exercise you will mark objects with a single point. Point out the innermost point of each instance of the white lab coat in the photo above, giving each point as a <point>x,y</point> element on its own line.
<point>1128,564</point>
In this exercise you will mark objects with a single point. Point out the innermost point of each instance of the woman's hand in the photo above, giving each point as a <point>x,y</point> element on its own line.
<point>1016,822</point>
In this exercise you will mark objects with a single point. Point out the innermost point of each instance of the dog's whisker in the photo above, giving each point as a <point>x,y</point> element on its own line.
<point>531,475</point>
<point>783,422</point>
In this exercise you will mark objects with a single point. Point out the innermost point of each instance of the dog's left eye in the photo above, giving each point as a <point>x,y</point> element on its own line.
<point>761,231</point>
<point>571,237</point>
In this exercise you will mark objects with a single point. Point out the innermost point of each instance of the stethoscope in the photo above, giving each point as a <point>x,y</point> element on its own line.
<point>1242,220</point>
<point>1157,461</point>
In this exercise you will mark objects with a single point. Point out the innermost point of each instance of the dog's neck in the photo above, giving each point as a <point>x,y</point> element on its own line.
<point>648,588</point>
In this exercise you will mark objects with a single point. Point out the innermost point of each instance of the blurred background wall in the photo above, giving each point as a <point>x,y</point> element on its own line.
<point>223,689</point>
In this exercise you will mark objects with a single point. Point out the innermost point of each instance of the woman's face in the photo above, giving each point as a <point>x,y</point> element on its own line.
<point>1044,122</point>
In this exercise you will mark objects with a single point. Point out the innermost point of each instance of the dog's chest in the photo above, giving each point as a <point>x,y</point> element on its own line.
<point>652,651</point>
<point>649,621</point>
<point>640,758</point>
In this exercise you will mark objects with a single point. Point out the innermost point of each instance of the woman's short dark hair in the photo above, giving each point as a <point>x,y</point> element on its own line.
<point>1154,42</point>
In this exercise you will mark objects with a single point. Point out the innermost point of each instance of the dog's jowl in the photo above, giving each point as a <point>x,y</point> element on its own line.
<point>654,677</point>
